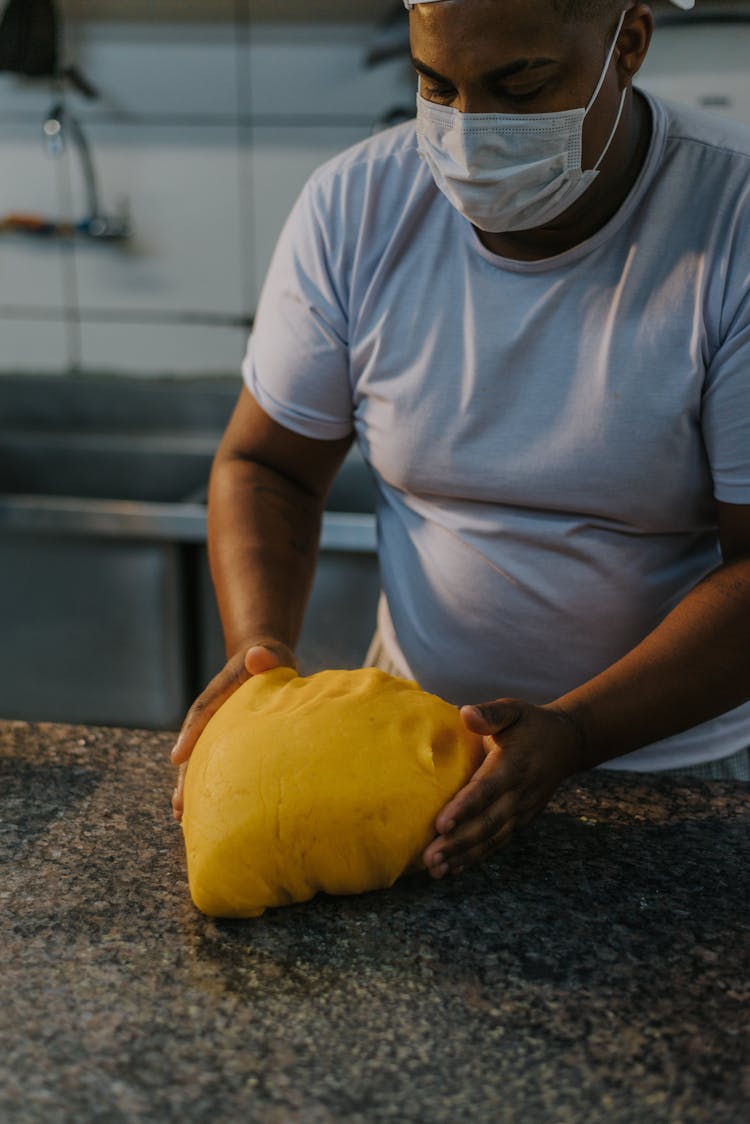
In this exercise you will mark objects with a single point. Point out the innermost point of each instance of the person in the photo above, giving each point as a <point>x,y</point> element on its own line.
<point>531,307</point>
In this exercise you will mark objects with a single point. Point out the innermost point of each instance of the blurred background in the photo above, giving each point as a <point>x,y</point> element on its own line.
<point>150,152</point>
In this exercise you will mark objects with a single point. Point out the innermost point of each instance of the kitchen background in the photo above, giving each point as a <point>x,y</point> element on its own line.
<point>208,118</point>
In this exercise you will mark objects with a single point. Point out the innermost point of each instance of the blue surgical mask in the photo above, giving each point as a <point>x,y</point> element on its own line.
<point>510,171</point>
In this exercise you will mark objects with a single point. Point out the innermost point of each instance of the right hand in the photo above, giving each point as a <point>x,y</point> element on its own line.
<point>260,656</point>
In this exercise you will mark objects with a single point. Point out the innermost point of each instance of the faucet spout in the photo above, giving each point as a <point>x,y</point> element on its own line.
<point>58,125</point>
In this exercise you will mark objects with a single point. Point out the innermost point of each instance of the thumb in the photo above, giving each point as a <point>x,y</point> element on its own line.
<point>263,657</point>
<point>492,717</point>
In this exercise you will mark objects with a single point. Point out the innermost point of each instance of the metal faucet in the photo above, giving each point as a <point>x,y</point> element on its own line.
<point>58,124</point>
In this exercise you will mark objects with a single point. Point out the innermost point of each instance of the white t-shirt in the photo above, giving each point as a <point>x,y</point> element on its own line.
<point>547,437</point>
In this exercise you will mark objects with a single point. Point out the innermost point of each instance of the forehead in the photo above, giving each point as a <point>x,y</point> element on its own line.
<point>531,21</point>
<point>487,33</point>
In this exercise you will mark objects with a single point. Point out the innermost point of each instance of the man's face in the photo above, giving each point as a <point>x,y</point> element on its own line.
<point>514,56</point>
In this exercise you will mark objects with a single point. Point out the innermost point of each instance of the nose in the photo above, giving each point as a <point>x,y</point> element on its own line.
<point>475,103</point>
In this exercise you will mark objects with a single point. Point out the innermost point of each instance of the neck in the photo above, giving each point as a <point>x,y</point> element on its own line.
<point>596,206</point>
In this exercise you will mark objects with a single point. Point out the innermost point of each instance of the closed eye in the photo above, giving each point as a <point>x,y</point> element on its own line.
<point>434,92</point>
<point>438,93</point>
<point>527,95</point>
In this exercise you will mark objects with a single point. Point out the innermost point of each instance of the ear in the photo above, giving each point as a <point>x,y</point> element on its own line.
<point>633,42</point>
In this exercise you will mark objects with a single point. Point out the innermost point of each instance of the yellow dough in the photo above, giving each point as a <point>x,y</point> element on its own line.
<point>330,782</point>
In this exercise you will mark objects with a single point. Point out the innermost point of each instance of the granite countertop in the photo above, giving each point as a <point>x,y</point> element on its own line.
<point>597,970</point>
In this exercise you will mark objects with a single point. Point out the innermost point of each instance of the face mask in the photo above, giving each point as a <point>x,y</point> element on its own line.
<point>505,171</point>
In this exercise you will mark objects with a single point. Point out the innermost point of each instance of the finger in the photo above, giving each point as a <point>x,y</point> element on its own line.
<point>492,717</point>
<point>178,794</point>
<point>264,657</point>
<point>470,857</point>
<point>258,658</point>
<point>205,706</point>
<point>488,783</point>
<point>485,826</point>
<point>447,851</point>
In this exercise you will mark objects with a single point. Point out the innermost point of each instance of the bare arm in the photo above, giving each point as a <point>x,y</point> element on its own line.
<point>266,497</point>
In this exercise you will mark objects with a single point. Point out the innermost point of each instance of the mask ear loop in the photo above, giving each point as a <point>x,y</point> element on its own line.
<point>611,51</point>
<point>614,130</point>
<point>599,85</point>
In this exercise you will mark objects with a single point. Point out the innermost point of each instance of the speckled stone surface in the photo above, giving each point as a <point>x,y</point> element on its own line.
<point>595,971</point>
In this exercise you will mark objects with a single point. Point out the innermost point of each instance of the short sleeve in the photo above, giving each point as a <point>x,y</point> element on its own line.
<point>726,405</point>
<point>297,361</point>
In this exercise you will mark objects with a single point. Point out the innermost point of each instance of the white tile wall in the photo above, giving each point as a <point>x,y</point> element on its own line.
<point>24,99</point>
<point>182,187</point>
<point>158,70</point>
<point>31,345</point>
<point>155,349</point>
<point>303,71</point>
<point>210,130</point>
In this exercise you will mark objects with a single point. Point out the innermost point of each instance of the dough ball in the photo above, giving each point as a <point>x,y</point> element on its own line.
<point>330,782</point>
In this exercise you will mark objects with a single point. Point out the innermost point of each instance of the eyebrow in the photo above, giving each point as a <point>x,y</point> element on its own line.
<point>491,76</point>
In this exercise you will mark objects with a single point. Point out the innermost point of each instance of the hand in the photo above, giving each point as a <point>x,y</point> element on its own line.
<point>529,751</point>
<point>259,657</point>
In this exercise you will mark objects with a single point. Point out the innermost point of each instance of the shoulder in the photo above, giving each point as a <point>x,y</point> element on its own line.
<point>701,183</point>
<point>356,204</point>
<point>692,131</point>
<point>371,177</point>
<point>391,152</point>
<point>358,201</point>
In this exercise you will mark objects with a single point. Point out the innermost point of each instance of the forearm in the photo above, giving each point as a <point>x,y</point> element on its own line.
<point>694,666</point>
<point>263,533</point>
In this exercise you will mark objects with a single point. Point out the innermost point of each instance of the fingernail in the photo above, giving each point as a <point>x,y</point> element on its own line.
<point>440,871</point>
<point>173,752</point>
<point>436,860</point>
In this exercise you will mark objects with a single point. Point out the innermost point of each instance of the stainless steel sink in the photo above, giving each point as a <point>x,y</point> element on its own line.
<point>152,467</point>
<point>106,602</point>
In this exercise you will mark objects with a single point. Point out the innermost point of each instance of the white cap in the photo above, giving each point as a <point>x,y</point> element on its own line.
<point>684,4</point>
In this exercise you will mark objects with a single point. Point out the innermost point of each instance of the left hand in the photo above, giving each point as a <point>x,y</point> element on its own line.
<point>529,751</point>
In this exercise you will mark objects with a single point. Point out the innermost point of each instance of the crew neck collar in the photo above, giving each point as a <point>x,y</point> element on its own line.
<point>610,228</point>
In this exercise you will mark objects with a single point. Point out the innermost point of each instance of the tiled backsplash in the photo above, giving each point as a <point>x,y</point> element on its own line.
<point>208,131</point>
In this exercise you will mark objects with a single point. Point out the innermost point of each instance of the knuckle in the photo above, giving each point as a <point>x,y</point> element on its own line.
<point>485,791</point>
<point>480,831</point>
<point>491,824</point>
<point>504,836</point>
<point>195,721</point>
<point>196,710</point>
